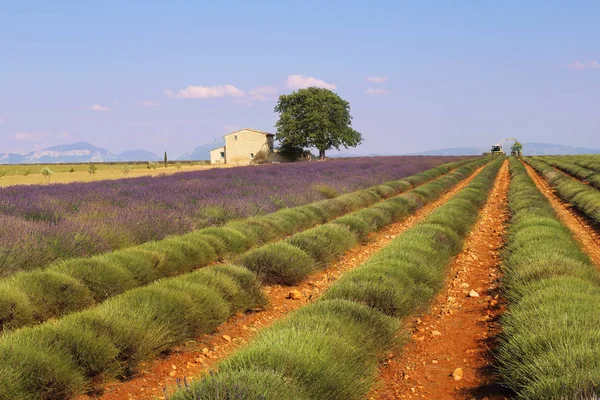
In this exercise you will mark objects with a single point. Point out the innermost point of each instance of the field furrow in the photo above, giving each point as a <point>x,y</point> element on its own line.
<point>329,349</point>
<point>459,330</point>
<point>199,356</point>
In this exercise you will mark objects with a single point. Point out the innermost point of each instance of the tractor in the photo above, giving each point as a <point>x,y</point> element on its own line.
<point>515,150</point>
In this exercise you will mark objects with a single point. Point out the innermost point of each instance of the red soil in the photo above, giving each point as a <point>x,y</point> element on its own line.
<point>585,232</point>
<point>458,331</point>
<point>200,355</point>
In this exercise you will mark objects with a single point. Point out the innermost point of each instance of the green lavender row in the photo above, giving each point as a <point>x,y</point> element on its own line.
<point>551,340</point>
<point>329,349</point>
<point>60,359</point>
<point>31,297</point>
<point>585,198</point>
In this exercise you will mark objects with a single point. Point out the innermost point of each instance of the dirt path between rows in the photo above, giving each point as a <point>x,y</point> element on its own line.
<point>199,356</point>
<point>584,231</point>
<point>459,330</point>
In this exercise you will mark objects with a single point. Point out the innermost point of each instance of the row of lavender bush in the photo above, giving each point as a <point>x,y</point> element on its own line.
<point>66,357</point>
<point>80,219</point>
<point>33,296</point>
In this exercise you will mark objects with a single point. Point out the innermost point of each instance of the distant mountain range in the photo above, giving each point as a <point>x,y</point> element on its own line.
<point>202,152</point>
<point>80,152</point>
<point>83,152</point>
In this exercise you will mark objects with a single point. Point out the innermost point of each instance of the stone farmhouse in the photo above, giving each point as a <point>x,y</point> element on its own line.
<point>241,147</point>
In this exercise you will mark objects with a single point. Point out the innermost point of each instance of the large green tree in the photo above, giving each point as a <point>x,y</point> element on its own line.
<point>315,118</point>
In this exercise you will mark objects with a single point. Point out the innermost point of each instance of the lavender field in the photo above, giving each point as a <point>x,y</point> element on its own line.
<point>55,222</point>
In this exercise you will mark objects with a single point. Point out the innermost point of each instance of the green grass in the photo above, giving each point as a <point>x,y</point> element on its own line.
<point>551,332</point>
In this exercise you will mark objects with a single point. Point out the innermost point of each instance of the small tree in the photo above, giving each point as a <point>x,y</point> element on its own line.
<point>92,169</point>
<point>262,157</point>
<point>151,165</point>
<point>166,159</point>
<point>47,172</point>
<point>125,169</point>
<point>315,118</point>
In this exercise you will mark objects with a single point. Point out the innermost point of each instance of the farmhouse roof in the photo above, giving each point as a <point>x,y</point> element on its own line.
<point>218,148</point>
<point>251,130</point>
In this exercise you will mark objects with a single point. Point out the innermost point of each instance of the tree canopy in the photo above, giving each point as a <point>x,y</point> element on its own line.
<point>315,118</point>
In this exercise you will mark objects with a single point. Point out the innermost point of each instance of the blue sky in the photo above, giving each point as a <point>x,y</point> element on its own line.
<point>172,75</point>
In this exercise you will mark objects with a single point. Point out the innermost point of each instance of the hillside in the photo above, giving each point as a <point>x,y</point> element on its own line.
<point>80,152</point>
<point>202,152</point>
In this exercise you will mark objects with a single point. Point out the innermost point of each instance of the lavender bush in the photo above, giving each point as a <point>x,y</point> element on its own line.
<point>41,224</point>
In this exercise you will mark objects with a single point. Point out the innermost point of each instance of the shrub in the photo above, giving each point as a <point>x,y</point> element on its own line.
<point>46,172</point>
<point>103,279</point>
<point>279,263</point>
<point>140,263</point>
<point>324,243</point>
<point>51,293</point>
<point>327,191</point>
<point>38,371</point>
<point>235,241</point>
<point>249,384</point>
<point>15,308</point>
<point>258,229</point>
<point>357,226</point>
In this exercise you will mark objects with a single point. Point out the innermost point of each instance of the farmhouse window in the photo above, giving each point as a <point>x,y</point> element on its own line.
<point>234,137</point>
<point>222,154</point>
<point>251,155</point>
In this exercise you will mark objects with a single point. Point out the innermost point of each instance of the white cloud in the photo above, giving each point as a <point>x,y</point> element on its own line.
<point>377,79</point>
<point>31,137</point>
<point>205,92</point>
<point>98,108</point>
<point>262,92</point>
<point>376,92</point>
<point>301,82</point>
<point>149,103</point>
<point>586,65</point>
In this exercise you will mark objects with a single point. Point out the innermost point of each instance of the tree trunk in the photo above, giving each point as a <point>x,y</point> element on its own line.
<point>321,154</point>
